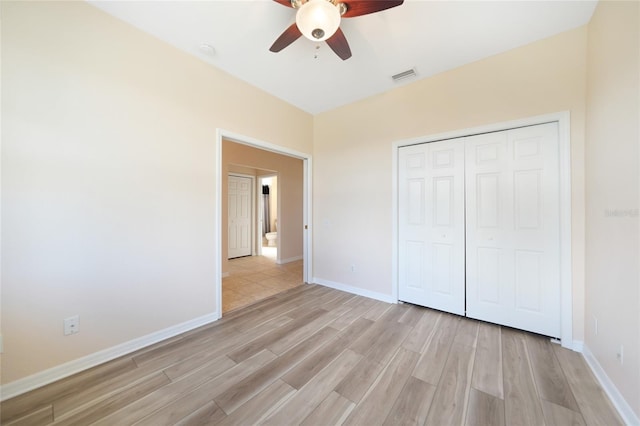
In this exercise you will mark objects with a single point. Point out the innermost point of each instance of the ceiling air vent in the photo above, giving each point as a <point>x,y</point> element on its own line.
<point>404,75</point>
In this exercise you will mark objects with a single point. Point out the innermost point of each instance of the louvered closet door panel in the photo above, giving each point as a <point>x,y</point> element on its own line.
<point>431,225</point>
<point>512,235</point>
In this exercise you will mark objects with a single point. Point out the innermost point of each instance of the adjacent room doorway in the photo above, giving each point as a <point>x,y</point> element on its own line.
<point>303,228</point>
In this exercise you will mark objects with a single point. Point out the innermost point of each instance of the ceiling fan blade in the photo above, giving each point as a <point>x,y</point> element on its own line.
<point>289,35</point>
<point>338,43</point>
<point>284,2</point>
<point>365,7</point>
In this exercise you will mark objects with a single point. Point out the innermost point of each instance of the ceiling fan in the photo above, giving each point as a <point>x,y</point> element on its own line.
<point>319,20</point>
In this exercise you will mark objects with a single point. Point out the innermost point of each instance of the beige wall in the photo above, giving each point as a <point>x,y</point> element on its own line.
<point>273,204</point>
<point>612,176</point>
<point>290,195</point>
<point>108,180</point>
<point>352,151</point>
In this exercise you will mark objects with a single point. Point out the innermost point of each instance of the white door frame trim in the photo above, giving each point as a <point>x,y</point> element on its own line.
<point>306,202</point>
<point>259,204</point>
<point>564,141</point>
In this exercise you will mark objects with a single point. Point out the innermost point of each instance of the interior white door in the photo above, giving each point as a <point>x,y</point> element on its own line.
<point>431,225</point>
<point>239,219</point>
<point>512,232</point>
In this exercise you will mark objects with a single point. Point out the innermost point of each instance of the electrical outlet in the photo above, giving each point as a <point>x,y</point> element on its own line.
<point>71,325</point>
<point>620,354</point>
<point>353,268</point>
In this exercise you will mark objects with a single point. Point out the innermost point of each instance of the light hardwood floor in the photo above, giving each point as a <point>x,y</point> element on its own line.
<point>317,356</point>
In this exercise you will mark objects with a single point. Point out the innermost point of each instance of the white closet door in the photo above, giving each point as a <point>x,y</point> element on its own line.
<point>239,218</point>
<point>512,236</point>
<point>431,225</point>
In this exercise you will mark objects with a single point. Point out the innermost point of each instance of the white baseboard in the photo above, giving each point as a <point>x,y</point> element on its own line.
<point>355,290</point>
<point>577,346</point>
<point>289,260</point>
<point>624,409</point>
<point>67,369</point>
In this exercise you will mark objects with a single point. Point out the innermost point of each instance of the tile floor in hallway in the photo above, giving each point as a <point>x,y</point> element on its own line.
<point>254,278</point>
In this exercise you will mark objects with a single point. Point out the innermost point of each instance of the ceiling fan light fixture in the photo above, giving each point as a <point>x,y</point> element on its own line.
<point>318,20</point>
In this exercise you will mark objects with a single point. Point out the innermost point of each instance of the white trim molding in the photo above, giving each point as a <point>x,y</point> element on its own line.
<point>578,346</point>
<point>288,260</point>
<point>564,139</point>
<point>72,367</point>
<point>624,409</point>
<point>355,290</point>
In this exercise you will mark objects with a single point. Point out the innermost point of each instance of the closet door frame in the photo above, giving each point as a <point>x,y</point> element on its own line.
<point>564,145</point>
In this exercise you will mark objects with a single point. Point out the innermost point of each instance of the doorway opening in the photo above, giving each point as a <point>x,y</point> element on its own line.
<point>280,241</point>
<point>268,216</point>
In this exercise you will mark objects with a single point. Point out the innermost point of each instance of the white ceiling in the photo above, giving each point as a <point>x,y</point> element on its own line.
<point>430,36</point>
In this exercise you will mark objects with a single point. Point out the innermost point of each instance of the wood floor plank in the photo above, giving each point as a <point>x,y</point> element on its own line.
<point>547,373</point>
<point>198,361</point>
<point>179,362</point>
<point>300,302</point>
<point>254,383</point>
<point>421,333</point>
<point>260,406</point>
<point>99,410</point>
<point>452,393</point>
<point>357,311</point>
<point>375,406</point>
<point>185,394</point>
<point>484,409</point>
<point>103,389</point>
<point>412,405</point>
<point>378,345</point>
<point>521,403</point>
<point>332,411</point>
<point>356,383</point>
<point>376,311</point>
<point>286,342</point>
<point>22,404</point>
<point>41,416</point>
<point>394,313</point>
<point>487,368</point>
<point>303,402</point>
<point>265,340</point>
<point>412,315</point>
<point>557,415</point>
<point>302,373</point>
<point>595,407</point>
<point>340,300</point>
<point>209,414</point>
<point>388,342</point>
<point>434,357</point>
<point>175,350</point>
<point>195,398</point>
<point>355,329</point>
<point>467,332</point>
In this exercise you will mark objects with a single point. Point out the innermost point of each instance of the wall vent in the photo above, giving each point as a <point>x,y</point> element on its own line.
<point>404,75</point>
